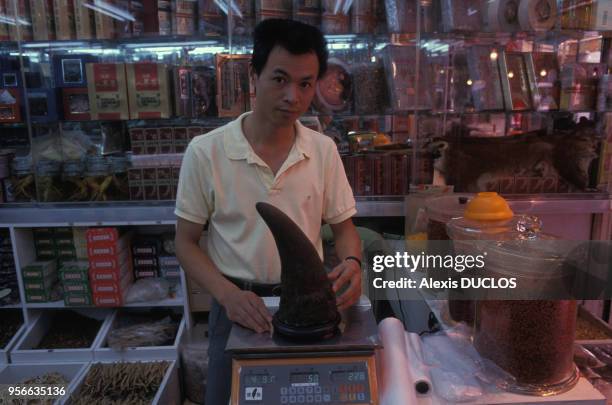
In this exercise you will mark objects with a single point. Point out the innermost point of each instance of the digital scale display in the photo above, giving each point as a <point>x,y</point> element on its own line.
<point>304,378</point>
<point>259,379</point>
<point>348,376</point>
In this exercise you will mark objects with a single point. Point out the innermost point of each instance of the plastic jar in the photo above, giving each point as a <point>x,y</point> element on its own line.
<point>439,211</point>
<point>527,332</point>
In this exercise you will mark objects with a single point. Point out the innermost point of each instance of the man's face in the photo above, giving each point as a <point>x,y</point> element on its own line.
<point>286,85</point>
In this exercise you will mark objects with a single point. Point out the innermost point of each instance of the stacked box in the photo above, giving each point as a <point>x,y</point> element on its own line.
<point>54,244</point>
<point>110,270</point>
<point>75,281</point>
<point>148,90</point>
<point>40,280</point>
<point>145,251</point>
<point>108,98</point>
<point>169,268</point>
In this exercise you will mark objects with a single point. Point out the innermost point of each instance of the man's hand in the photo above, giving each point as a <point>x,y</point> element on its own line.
<point>247,309</point>
<point>347,272</point>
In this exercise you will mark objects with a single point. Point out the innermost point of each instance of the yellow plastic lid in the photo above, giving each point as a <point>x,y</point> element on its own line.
<point>488,206</point>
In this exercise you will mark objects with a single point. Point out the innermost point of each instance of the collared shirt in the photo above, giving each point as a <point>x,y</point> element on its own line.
<point>222,179</point>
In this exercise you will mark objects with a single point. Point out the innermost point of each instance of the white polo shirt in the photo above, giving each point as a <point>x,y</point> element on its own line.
<point>222,179</point>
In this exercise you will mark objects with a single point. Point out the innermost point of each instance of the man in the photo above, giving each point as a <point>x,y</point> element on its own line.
<point>264,155</point>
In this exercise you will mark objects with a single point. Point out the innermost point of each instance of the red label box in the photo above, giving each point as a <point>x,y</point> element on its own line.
<point>107,267</point>
<point>95,235</point>
<point>113,287</point>
<point>109,300</point>
<point>109,248</point>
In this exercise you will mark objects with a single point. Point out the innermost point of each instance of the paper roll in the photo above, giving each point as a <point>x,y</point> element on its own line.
<point>502,15</point>
<point>418,371</point>
<point>537,15</point>
<point>394,365</point>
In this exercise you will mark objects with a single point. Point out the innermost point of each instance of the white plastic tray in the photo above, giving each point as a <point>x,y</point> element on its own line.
<point>5,351</point>
<point>23,351</point>
<point>169,392</point>
<point>16,373</point>
<point>104,353</point>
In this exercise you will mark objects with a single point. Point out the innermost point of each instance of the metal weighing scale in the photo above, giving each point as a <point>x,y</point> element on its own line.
<point>271,370</point>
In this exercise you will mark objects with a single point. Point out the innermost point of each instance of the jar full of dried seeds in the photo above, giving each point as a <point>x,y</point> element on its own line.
<point>525,314</point>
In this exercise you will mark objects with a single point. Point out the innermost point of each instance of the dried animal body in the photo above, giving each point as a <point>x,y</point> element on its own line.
<point>157,333</point>
<point>502,164</point>
<point>120,384</point>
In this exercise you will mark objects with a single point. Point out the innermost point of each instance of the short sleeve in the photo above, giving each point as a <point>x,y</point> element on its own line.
<point>193,201</point>
<point>339,203</point>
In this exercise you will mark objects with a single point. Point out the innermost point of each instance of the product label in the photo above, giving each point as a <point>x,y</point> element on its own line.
<point>105,77</point>
<point>146,77</point>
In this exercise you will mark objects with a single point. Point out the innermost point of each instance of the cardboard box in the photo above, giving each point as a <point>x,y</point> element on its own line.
<point>145,262</point>
<point>266,9</point>
<point>99,287</point>
<point>10,100</point>
<point>184,17</point>
<point>40,284</point>
<point>77,299</point>
<point>43,23</point>
<point>84,20</point>
<point>21,32</point>
<point>109,300</point>
<point>166,140</point>
<point>70,70</point>
<point>107,91</point>
<point>94,235</point>
<point>76,104</point>
<point>39,269</point>
<point>109,248</point>
<point>157,17</point>
<point>112,262</point>
<point>150,272</point>
<point>75,275</point>
<point>105,24</point>
<point>64,19</point>
<point>4,31</point>
<point>149,91</point>
<point>43,105</point>
<point>232,84</point>
<point>146,246</point>
<point>137,141</point>
<point>11,79</point>
<point>76,287</point>
<point>136,192</point>
<point>151,141</point>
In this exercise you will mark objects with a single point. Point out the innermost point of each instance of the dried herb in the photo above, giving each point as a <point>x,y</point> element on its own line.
<point>70,330</point>
<point>121,383</point>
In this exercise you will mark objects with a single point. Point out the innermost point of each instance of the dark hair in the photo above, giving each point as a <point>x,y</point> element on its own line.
<point>296,37</point>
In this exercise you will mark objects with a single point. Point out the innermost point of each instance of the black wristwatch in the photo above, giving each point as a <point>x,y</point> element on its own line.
<point>354,258</point>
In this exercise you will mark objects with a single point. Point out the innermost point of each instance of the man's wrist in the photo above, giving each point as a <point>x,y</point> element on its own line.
<point>354,259</point>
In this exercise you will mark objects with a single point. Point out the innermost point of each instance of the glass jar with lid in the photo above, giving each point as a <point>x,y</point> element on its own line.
<point>75,186</point>
<point>48,177</point>
<point>21,186</point>
<point>527,332</point>
<point>98,177</point>
<point>440,210</point>
<point>119,168</point>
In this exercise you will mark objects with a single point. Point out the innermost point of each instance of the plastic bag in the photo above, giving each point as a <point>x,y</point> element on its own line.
<point>194,356</point>
<point>148,289</point>
<point>453,365</point>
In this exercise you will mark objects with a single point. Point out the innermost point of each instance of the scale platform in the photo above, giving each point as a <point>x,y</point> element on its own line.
<point>272,370</point>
